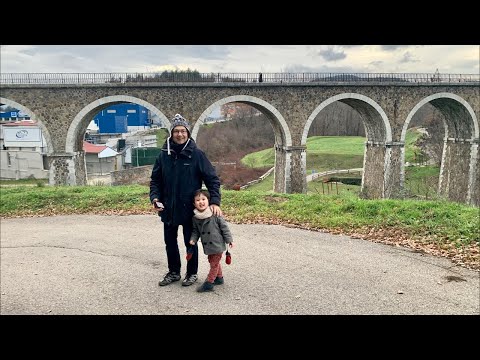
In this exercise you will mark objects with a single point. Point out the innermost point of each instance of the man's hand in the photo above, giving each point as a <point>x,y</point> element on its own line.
<point>157,205</point>
<point>216,210</point>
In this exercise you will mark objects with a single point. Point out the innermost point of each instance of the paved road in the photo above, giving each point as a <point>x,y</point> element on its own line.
<point>111,265</point>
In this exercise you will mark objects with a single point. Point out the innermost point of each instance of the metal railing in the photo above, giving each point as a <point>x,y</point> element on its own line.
<point>269,78</point>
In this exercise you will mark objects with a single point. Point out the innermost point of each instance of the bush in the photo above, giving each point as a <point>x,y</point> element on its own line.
<point>347,180</point>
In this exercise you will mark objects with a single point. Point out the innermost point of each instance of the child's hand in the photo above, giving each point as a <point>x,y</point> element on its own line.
<point>191,242</point>
<point>190,252</point>
<point>230,245</point>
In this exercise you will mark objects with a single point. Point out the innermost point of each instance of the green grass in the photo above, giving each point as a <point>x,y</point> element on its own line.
<point>419,172</point>
<point>37,182</point>
<point>422,181</point>
<point>318,187</point>
<point>323,153</point>
<point>440,221</point>
<point>262,158</point>
<point>50,200</point>
<point>345,152</point>
<point>162,135</point>
<point>412,151</point>
<point>341,145</point>
<point>332,152</point>
<point>313,187</point>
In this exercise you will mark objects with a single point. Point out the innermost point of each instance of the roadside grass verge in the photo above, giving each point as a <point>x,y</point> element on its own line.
<point>438,227</point>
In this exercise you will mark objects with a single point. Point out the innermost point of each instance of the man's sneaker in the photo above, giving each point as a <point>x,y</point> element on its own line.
<point>206,286</point>
<point>218,281</point>
<point>169,278</point>
<point>189,279</point>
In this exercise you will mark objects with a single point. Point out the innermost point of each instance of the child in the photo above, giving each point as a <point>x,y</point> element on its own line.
<point>214,232</point>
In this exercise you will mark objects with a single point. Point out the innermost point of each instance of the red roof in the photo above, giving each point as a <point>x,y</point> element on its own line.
<point>21,123</point>
<point>92,148</point>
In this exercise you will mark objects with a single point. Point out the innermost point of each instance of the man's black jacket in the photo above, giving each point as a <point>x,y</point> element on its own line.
<point>176,177</point>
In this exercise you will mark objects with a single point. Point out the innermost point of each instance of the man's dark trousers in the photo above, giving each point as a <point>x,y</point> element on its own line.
<point>173,254</point>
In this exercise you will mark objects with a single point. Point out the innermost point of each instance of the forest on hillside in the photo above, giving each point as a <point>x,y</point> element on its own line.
<point>248,130</point>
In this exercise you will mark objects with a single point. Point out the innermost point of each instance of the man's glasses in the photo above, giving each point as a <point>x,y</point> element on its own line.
<point>179,131</point>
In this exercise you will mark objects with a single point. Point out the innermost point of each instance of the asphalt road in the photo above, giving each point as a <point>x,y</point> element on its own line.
<point>85,264</point>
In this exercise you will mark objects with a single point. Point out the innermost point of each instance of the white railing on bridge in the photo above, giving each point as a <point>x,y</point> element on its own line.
<point>268,78</point>
<point>309,177</point>
<point>332,172</point>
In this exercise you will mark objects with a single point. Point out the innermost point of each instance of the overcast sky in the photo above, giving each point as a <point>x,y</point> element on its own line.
<point>452,59</point>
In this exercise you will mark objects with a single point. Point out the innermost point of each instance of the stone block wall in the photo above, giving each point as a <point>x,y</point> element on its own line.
<point>137,175</point>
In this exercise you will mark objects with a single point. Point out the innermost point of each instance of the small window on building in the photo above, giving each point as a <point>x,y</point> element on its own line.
<point>111,111</point>
<point>131,111</point>
<point>46,165</point>
<point>9,159</point>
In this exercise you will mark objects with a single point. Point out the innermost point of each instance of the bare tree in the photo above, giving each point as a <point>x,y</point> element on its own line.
<point>337,119</point>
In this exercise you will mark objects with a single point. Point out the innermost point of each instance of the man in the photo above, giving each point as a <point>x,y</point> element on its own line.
<point>178,172</point>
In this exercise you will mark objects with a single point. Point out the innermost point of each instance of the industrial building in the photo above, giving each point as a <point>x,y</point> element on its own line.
<point>122,118</point>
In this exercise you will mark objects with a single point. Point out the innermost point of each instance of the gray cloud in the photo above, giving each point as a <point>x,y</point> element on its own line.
<point>298,68</point>
<point>376,63</point>
<point>331,55</point>
<point>238,58</point>
<point>393,47</point>
<point>408,58</point>
<point>117,58</point>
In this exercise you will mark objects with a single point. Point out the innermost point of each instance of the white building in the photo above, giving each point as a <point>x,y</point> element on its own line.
<point>22,151</point>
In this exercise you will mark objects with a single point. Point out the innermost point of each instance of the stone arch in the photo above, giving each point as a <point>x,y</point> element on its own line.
<point>473,125</point>
<point>461,137</point>
<point>79,124</point>
<point>45,132</point>
<point>379,135</point>
<point>283,137</point>
<point>282,132</point>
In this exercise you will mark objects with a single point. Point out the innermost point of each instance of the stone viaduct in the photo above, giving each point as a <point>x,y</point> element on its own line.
<point>65,110</point>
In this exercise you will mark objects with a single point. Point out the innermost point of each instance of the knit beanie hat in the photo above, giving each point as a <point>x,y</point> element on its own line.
<point>179,120</point>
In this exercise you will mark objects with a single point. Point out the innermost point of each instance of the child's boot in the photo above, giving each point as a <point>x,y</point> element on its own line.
<point>218,281</point>
<point>206,286</point>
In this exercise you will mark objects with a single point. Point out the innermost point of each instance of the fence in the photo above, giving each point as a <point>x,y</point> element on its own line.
<point>331,172</point>
<point>250,183</point>
<point>266,78</point>
<point>144,156</point>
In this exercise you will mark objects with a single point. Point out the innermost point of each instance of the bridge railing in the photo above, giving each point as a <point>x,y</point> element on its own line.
<point>195,77</point>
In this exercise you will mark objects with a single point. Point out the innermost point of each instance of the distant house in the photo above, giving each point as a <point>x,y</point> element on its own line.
<point>100,159</point>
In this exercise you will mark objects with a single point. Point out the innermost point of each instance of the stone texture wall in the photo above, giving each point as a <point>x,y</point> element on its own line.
<point>385,108</point>
<point>455,178</point>
<point>394,170</point>
<point>138,175</point>
<point>298,177</point>
<point>80,169</point>
<point>58,170</point>
<point>373,172</point>
<point>475,186</point>
<point>279,184</point>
